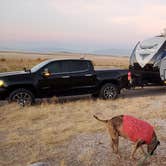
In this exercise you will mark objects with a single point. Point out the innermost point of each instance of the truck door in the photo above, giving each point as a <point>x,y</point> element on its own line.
<point>57,82</point>
<point>68,77</point>
<point>82,77</point>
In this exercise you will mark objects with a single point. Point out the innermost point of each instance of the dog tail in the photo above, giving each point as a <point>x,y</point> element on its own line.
<point>105,121</point>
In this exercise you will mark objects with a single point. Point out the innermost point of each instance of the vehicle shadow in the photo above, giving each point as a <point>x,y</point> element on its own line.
<point>146,91</point>
<point>132,93</point>
<point>56,100</point>
<point>64,99</point>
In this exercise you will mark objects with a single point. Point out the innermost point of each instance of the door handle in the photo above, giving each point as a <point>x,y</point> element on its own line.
<point>65,77</point>
<point>88,75</point>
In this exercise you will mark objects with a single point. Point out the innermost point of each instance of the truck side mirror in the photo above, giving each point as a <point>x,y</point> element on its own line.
<point>46,73</point>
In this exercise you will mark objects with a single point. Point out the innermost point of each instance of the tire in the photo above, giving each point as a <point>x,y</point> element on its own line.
<point>109,91</point>
<point>22,96</point>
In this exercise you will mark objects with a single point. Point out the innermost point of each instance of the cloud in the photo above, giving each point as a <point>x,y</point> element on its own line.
<point>103,22</point>
<point>151,19</point>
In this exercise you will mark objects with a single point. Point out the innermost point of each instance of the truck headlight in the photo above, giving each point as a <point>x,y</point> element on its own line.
<point>1,83</point>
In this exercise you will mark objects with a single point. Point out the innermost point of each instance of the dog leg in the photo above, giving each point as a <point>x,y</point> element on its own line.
<point>142,150</point>
<point>115,139</point>
<point>115,145</point>
<point>112,145</point>
<point>138,144</point>
<point>133,152</point>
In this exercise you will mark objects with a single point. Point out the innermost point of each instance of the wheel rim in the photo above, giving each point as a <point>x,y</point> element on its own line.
<point>22,98</point>
<point>109,93</point>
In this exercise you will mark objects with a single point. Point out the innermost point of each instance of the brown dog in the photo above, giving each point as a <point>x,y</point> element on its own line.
<point>133,129</point>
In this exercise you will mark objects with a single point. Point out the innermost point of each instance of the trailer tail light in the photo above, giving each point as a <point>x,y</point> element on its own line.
<point>129,76</point>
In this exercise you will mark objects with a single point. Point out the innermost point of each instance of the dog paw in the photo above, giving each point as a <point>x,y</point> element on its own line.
<point>132,158</point>
<point>119,156</point>
<point>100,142</point>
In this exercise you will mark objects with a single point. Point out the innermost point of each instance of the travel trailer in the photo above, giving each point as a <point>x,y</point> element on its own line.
<point>148,62</point>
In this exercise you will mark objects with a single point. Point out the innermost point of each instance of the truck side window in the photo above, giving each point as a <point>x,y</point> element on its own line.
<point>78,66</point>
<point>55,67</point>
<point>67,66</point>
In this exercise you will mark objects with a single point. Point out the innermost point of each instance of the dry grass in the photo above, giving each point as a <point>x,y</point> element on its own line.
<point>59,131</point>
<point>32,134</point>
<point>17,61</point>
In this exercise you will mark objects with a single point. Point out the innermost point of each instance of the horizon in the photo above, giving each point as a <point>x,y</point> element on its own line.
<point>79,25</point>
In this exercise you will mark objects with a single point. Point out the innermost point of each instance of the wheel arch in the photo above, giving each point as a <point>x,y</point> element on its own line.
<point>29,87</point>
<point>114,82</point>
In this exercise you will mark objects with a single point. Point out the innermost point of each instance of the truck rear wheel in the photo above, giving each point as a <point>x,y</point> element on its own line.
<point>108,91</point>
<point>22,96</point>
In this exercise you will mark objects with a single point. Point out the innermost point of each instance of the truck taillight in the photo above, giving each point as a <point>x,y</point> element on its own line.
<point>129,76</point>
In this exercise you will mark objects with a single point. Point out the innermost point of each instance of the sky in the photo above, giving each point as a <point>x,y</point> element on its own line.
<point>79,25</point>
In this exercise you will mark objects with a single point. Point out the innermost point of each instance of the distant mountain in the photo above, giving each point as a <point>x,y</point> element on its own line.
<point>52,49</point>
<point>37,49</point>
<point>120,52</point>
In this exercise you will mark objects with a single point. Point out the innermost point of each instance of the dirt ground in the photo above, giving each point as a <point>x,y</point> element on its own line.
<point>93,149</point>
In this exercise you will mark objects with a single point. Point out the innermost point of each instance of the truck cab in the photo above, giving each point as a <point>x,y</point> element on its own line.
<point>63,77</point>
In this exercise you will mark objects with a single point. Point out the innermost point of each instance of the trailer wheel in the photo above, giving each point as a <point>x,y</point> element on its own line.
<point>108,91</point>
<point>22,96</point>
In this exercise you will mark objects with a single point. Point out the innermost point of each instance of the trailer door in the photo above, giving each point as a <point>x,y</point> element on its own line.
<point>163,69</point>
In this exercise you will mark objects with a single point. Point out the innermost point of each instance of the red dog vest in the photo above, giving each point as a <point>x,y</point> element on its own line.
<point>137,129</point>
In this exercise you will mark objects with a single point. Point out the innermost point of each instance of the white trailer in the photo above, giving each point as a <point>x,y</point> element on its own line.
<point>148,62</point>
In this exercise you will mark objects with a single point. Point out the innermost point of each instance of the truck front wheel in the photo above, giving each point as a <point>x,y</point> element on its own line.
<point>108,91</point>
<point>22,96</point>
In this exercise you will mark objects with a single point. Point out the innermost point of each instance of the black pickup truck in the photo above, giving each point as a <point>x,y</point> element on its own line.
<point>61,78</point>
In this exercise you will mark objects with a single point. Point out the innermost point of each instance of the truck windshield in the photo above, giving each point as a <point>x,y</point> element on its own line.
<point>39,66</point>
